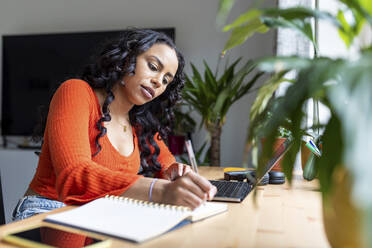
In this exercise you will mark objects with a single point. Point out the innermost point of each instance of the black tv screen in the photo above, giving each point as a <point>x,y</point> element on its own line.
<point>35,65</point>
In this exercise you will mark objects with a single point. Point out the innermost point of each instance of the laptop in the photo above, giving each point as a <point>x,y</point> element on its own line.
<point>235,191</point>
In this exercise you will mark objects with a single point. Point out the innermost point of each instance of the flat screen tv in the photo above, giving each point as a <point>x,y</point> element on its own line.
<point>35,65</point>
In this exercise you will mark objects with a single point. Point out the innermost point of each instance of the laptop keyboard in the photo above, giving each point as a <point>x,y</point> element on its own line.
<point>231,189</point>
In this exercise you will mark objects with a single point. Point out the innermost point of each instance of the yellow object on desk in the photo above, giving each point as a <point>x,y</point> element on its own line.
<point>227,169</point>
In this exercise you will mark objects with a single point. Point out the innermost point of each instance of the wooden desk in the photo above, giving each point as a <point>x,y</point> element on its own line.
<point>283,217</point>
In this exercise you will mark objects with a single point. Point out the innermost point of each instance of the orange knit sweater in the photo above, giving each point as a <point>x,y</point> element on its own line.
<point>67,171</point>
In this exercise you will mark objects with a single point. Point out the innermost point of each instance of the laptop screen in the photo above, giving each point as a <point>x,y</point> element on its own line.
<point>278,154</point>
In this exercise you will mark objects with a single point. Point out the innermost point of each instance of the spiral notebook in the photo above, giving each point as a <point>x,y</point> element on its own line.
<point>130,219</point>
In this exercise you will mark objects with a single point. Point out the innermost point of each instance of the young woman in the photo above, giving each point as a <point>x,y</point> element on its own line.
<point>104,132</point>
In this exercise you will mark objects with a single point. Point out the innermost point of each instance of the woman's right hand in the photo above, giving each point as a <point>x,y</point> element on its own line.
<point>189,190</point>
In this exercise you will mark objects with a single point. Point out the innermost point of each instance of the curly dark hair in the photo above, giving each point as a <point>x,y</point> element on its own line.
<point>118,58</point>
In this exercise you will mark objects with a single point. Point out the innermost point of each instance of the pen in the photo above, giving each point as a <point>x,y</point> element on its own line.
<point>316,148</point>
<point>190,153</point>
<point>312,149</point>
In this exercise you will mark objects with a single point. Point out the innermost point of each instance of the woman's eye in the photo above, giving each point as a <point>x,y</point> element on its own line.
<point>165,81</point>
<point>152,67</point>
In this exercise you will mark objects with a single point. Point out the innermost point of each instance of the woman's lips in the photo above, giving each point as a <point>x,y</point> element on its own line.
<point>147,92</point>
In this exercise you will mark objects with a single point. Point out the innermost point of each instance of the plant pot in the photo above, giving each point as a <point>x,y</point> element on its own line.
<point>278,142</point>
<point>176,144</point>
<point>305,153</point>
<point>342,220</point>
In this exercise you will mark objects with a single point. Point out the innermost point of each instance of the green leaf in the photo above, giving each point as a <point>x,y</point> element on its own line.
<point>350,30</point>
<point>224,9</point>
<point>299,13</point>
<point>202,88</point>
<point>303,27</point>
<point>254,20</point>
<point>359,25</point>
<point>236,86</point>
<point>366,4</point>
<point>196,74</point>
<point>243,19</point>
<point>291,13</point>
<point>282,63</point>
<point>189,82</point>
<point>296,116</point>
<point>360,6</point>
<point>352,100</point>
<point>331,154</point>
<point>210,79</point>
<point>246,88</point>
<point>239,89</point>
<point>308,31</point>
<point>220,102</point>
<point>265,93</point>
<point>227,76</point>
<point>242,33</point>
<point>237,80</point>
<point>346,31</point>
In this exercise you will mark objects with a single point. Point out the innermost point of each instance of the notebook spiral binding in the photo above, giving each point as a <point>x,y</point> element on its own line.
<point>147,203</point>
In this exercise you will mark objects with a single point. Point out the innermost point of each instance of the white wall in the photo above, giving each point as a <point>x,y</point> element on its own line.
<point>196,36</point>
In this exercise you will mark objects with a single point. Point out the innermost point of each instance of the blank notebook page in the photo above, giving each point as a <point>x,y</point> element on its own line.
<point>131,219</point>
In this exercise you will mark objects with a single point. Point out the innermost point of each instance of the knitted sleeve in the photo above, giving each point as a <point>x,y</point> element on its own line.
<point>78,178</point>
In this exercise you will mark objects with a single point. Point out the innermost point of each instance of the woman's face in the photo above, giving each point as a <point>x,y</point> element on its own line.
<point>155,70</point>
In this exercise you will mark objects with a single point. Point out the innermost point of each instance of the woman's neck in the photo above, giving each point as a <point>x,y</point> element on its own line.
<point>120,107</point>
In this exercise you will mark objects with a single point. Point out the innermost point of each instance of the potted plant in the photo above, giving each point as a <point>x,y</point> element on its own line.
<point>282,134</point>
<point>343,137</point>
<point>344,87</point>
<point>264,96</point>
<point>213,95</point>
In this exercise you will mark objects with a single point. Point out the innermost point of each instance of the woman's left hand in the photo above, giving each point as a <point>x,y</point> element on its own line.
<point>176,170</point>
